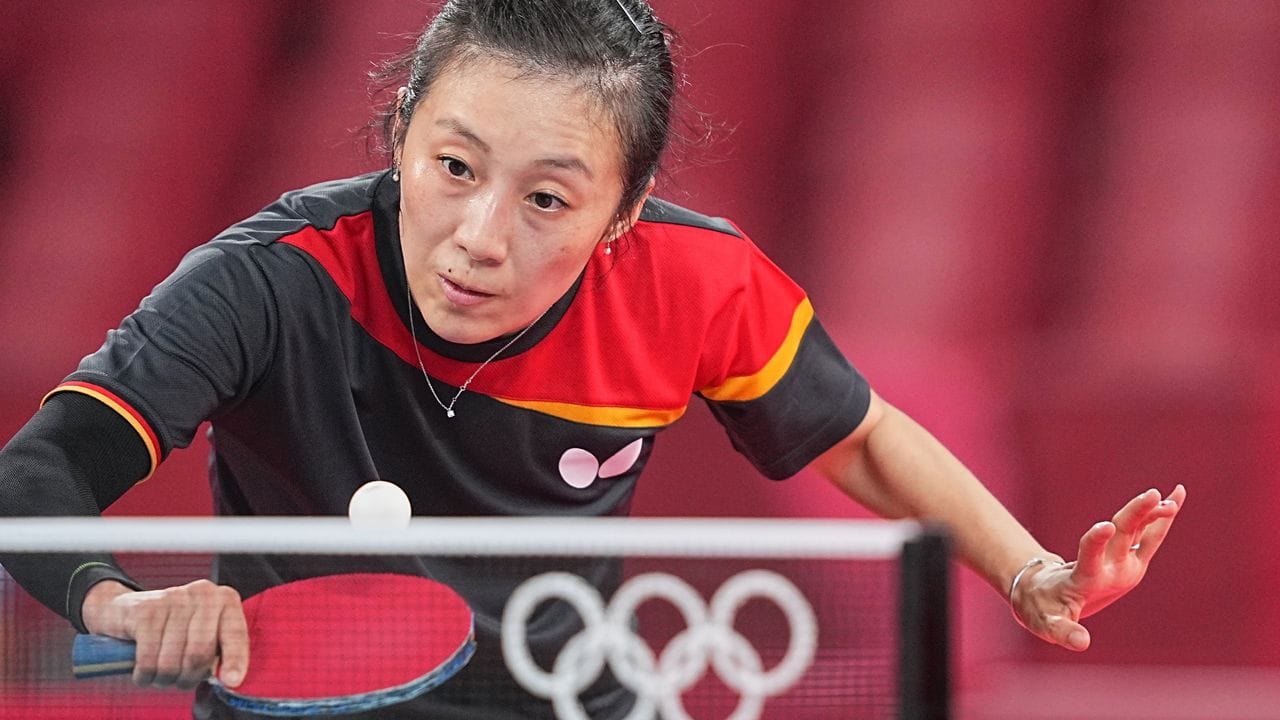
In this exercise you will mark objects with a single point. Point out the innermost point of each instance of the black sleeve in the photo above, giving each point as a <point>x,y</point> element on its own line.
<point>817,403</point>
<point>774,379</point>
<point>75,457</point>
<point>197,344</point>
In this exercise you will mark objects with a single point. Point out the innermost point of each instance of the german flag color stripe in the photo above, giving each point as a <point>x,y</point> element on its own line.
<point>750,387</point>
<point>600,415</point>
<point>125,410</point>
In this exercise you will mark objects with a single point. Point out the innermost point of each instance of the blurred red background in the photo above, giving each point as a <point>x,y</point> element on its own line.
<point>1046,230</point>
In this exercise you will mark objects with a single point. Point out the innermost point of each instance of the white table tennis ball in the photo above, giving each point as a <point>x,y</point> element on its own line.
<point>379,505</point>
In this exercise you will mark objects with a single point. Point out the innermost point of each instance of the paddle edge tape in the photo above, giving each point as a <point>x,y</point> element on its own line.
<point>98,655</point>
<point>289,707</point>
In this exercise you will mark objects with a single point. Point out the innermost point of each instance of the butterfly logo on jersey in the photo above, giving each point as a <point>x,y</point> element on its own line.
<point>579,468</point>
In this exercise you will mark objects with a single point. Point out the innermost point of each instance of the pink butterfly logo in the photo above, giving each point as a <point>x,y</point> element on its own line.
<point>579,468</point>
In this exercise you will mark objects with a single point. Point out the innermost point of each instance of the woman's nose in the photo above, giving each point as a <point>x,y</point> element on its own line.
<point>485,230</point>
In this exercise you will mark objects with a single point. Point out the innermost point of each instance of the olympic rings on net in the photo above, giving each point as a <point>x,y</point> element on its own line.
<point>709,638</point>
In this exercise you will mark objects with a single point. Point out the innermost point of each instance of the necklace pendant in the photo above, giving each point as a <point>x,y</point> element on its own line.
<point>448,412</point>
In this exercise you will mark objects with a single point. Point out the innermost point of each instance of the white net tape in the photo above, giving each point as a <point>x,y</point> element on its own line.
<point>637,537</point>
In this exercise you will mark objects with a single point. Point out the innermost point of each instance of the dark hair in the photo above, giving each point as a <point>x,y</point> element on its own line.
<point>617,49</point>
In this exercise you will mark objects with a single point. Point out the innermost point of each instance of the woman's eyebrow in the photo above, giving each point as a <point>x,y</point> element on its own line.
<point>566,163</point>
<point>455,126</point>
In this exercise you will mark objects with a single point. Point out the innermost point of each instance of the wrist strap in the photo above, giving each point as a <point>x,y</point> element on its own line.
<point>1017,578</point>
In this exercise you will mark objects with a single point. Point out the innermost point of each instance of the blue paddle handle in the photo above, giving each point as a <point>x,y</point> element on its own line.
<point>97,655</point>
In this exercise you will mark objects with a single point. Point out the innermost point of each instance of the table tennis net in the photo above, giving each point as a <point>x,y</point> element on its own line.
<point>580,618</point>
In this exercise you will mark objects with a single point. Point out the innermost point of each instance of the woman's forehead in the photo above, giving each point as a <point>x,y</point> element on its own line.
<point>497,105</point>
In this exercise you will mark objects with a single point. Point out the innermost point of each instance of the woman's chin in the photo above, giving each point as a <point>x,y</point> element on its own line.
<point>464,331</point>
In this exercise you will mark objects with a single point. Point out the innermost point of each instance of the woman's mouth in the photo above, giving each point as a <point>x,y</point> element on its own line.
<point>461,295</point>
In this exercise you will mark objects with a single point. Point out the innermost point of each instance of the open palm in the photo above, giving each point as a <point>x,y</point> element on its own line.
<point>1113,558</point>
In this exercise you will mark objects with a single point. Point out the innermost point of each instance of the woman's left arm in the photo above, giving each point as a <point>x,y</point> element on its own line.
<point>897,469</point>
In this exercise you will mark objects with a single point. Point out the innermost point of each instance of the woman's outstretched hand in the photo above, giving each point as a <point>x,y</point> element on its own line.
<point>1050,599</point>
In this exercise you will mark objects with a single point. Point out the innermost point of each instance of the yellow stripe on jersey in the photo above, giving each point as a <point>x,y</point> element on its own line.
<point>129,414</point>
<point>750,387</point>
<point>601,415</point>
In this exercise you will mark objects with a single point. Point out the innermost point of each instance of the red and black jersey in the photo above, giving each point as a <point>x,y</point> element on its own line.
<point>290,331</point>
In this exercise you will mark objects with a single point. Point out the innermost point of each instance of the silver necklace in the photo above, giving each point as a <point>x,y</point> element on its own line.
<point>448,409</point>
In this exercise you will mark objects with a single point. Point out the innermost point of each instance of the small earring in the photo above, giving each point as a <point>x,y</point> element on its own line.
<point>395,173</point>
<point>608,247</point>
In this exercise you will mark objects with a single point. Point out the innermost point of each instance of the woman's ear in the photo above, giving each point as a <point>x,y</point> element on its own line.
<point>634,216</point>
<point>639,208</point>
<point>398,125</point>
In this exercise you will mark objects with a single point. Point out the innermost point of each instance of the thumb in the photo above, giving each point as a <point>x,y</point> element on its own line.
<point>1066,632</point>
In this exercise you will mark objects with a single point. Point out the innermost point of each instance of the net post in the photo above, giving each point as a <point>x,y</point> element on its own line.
<point>924,676</point>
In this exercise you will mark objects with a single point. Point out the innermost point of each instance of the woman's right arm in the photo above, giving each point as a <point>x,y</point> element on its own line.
<point>74,457</point>
<point>197,343</point>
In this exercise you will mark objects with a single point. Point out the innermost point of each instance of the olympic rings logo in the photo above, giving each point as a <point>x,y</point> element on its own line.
<point>658,682</point>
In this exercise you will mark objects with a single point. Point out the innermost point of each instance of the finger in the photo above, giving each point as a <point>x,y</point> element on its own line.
<point>1069,634</point>
<point>147,635</point>
<point>1130,517</point>
<point>1093,546</point>
<point>1161,513</point>
<point>233,639</point>
<point>202,644</point>
<point>1169,506</point>
<point>1153,536</point>
<point>173,641</point>
<point>1163,509</point>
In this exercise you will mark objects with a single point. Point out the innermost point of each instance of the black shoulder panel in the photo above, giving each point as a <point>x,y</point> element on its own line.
<point>661,211</point>
<point>324,203</point>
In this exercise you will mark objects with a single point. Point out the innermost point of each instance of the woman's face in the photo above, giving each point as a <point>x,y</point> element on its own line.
<point>508,184</point>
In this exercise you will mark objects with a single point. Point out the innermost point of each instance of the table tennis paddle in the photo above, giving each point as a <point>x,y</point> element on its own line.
<point>331,644</point>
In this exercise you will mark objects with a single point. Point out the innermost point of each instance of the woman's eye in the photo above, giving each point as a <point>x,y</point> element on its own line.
<point>455,167</point>
<point>546,201</point>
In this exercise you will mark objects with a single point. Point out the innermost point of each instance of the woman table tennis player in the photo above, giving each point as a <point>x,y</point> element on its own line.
<point>499,322</point>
